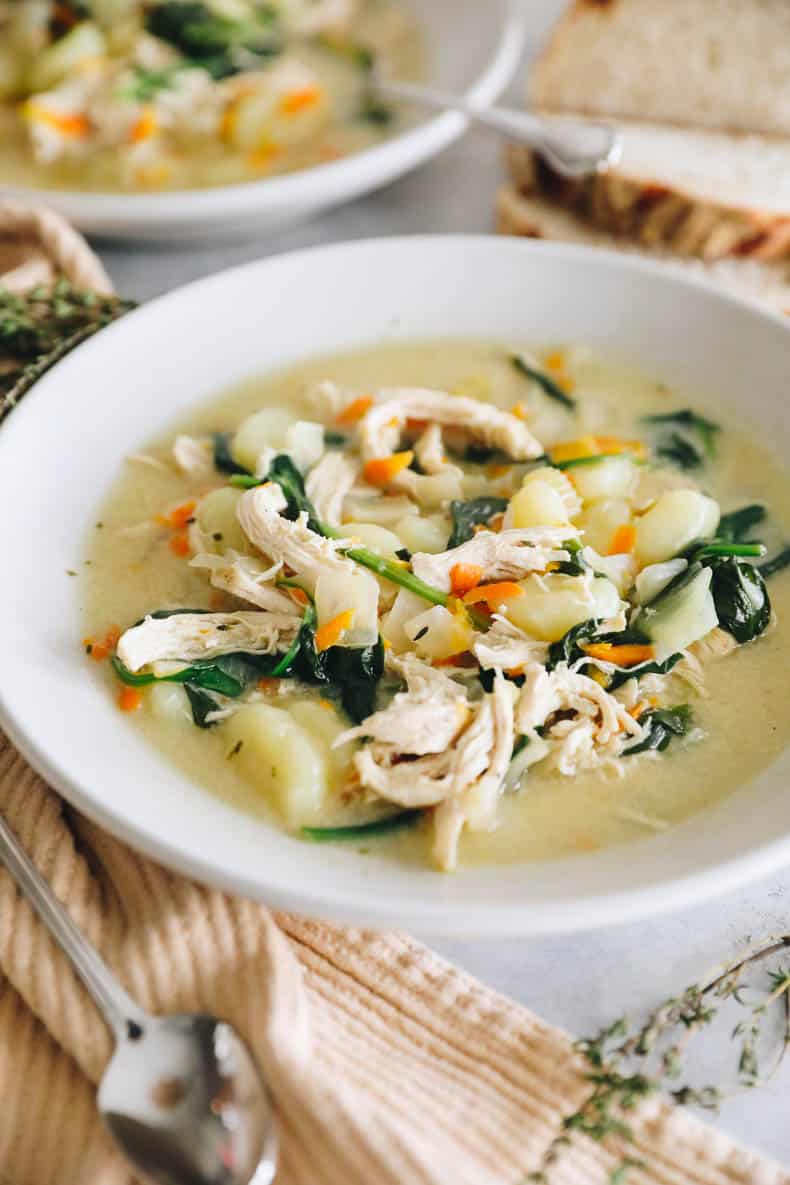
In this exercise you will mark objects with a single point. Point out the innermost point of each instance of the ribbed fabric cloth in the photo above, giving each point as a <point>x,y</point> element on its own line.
<point>388,1066</point>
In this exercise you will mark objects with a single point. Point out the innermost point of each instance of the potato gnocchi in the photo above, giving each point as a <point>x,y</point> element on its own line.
<point>417,669</point>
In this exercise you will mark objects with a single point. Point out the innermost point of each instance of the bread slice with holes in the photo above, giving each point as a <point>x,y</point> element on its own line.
<point>531,216</point>
<point>720,64</point>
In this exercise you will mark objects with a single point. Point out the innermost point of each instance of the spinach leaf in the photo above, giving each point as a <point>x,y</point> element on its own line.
<point>777,564</point>
<point>568,649</point>
<point>664,724</point>
<point>544,381</point>
<point>147,85</point>
<point>283,471</point>
<point>202,704</point>
<point>468,515</point>
<point>741,598</point>
<point>707,430</point>
<point>372,110</point>
<point>362,831</point>
<point>212,40</point>
<point>335,439</point>
<point>735,526</point>
<point>357,674</point>
<point>680,452</point>
<point>224,460</point>
<point>576,462</point>
<point>487,675</point>
<point>228,674</point>
<point>622,675</point>
<point>577,564</point>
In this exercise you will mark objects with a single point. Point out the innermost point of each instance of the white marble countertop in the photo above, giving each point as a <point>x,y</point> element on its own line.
<point>586,980</point>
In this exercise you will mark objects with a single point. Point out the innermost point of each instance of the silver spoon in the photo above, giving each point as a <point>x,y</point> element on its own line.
<point>572,148</point>
<point>182,1095</point>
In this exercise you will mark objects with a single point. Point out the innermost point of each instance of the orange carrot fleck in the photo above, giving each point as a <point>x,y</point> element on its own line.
<point>638,709</point>
<point>67,123</point>
<point>355,410</point>
<point>301,100</point>
<point>268,684</point>
<point>570,450</point>
<point>331,633</point>
<point>493,595</point>
<point>462,659</point>
<point>299,595</point>
<point>179,545</point>
<point>497,470</point>
<point>623,540</point>
<point>130,699</point>
<point>555,361</point>
<point>144,128</point>
<point>99,650</point>
<point>179,517</point>
<point>520,411</point>
<point>463,577</point>
<point>413,425</point>
<point>381,470</point>
<point>628,655</point>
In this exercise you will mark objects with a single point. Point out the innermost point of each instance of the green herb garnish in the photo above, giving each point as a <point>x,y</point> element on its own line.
<point>362,831</point>
<point>547,384</point>
<point>706,430</point>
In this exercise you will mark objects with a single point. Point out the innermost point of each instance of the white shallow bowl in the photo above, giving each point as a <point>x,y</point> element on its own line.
<point>61,450</point>
<point>477,65</point>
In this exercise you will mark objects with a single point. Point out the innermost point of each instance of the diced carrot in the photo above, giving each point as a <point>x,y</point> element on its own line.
<point>570,450</point>
<point>355,410</point>
<point>462,659</point>
<point>67,123</point>
<point>179,544</point>
<point>331,633</point>
<point>179,517</point>
<point>144,127</point>
<point>417,426</point>
<point>616,444</point>
<point>298,595</point>
<point>519,411</point>
<point>463,577</point>
<point>130,699</point>
<point>627,655</point>
<point>555,361</point>
<point>262,156</point>
<point>493,594</point>
<point>497,470</point>
<point>393,423</point>
<point>381,470</point>
<point>301,100</point>
<point>268,683</point>
<point>638,709</point>
<point>104,647</point>
<point>623,540</point>
<point>567,383</point>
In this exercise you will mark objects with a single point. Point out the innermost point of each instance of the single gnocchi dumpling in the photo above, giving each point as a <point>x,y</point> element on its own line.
<point>678,518</point>
<point>279,107</point>
<point>600,522</point>
<point>321,720</point>
<point>280,758</point>
<point>546,499</point>
<point>614,477</point>
<point>551,605</point>
<point>215,518</point>
<point>270,431</point>
<point>427,533</point>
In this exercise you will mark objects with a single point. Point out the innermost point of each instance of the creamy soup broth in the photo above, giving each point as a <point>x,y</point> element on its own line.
<point>743,719</point>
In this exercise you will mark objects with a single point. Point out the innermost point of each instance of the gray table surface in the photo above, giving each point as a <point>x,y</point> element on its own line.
<point>580,981</point>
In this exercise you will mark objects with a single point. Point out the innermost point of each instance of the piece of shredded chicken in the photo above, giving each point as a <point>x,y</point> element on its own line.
<point>508,555</point>
<point>187,637</point>
<point>245,578</point>
<point>329,483</point>
<point>194,455</point>
<point>381,428</point>
<point>292,543</point>
<point>505,647</point>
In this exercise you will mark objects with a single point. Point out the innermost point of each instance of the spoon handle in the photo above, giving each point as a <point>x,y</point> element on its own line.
<point>575,149</point>
<point>121,1013</point>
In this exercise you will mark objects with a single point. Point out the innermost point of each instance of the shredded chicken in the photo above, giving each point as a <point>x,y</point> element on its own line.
<point>381,428</point>
<point>328,484</point>
<point>508,555</point>
<point>506,648</point>
<point>194,455</point>
<point>293,543</point>
<point>186,637</point>
<point>327,399</point>
<point>243,577</point>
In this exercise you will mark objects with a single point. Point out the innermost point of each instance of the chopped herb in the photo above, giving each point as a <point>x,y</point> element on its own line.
<point>374,111</point>
<point>99,526</point>
<point>362,830</point>
<point>707,430</point>
<point>544,381</point>
<point>147,85</point>
<point>420,634</point>
<point>736,525</point>
<point>89,648</point>
<point>404,554</point>
<point>334,439</point>
<point>70,572</point>
<point>235,750</point>
<point>680,452</point>
<point>217,536</point>
<point>468,515</point>
<point>575,462</point>
<point>224,460</point>
<point>663,724</point>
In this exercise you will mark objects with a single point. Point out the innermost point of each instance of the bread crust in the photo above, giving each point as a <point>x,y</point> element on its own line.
<point>656,215</point>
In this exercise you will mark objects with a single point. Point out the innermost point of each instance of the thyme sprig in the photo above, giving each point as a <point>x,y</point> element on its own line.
<point>626,1063</point>
<point>40,327</point>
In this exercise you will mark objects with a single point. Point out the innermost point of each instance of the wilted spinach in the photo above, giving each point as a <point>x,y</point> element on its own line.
<point>741,598</point>
<point>680,452</point>
<point>468,515</point>
<point>224,460</point>
<point>663,724</point>
<point>214,41</point>
<point>546,383</point>
<point>736,525</point>
<point>706,430</point>
<point>777,564</point>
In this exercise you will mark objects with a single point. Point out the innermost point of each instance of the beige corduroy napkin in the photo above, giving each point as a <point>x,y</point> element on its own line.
<point>388,1065</point>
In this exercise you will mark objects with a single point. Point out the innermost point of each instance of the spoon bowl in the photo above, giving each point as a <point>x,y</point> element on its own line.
<point>184,1099</point>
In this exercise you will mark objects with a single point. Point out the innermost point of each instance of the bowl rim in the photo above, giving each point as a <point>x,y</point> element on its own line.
<point>349,175</point>
<point>436,916</point>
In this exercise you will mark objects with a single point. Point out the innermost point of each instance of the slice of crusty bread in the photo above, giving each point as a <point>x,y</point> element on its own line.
<point>701,193</point>
<point>704,63</point>
<point>537,218</point>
